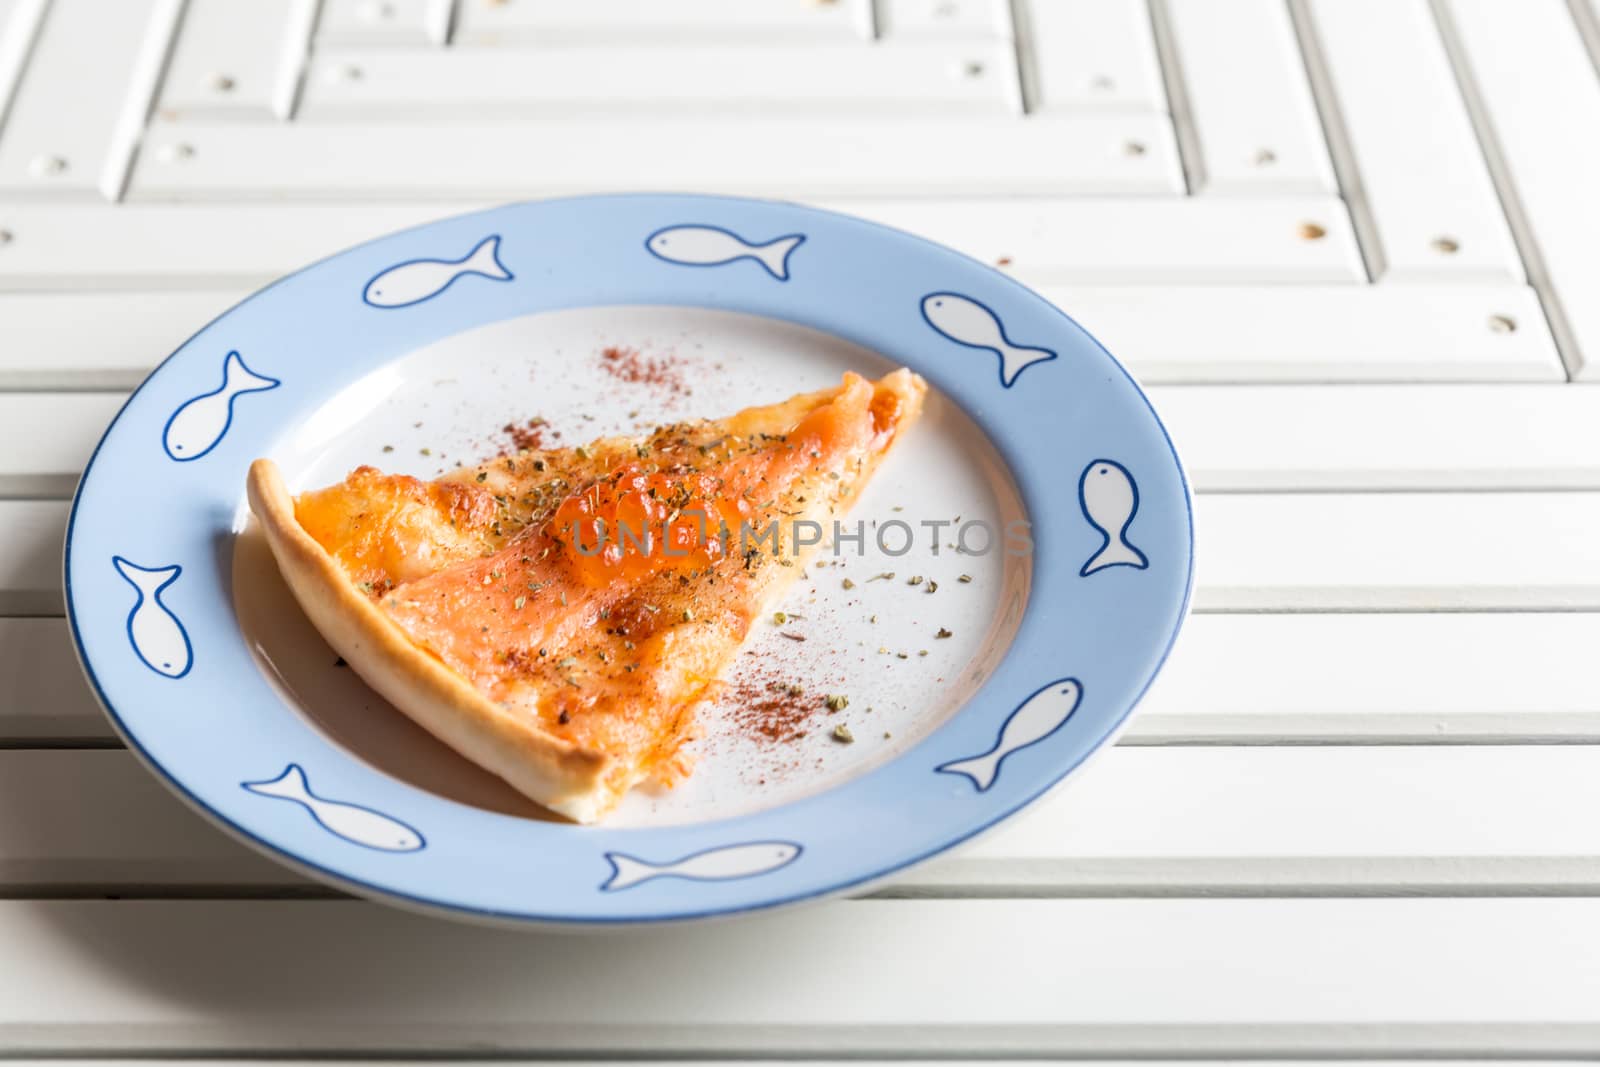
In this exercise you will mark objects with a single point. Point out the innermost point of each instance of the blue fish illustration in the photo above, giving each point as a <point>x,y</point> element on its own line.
<point>199,424</point>
<point>1041,715</point>
<point>416,280</point>
<point>712,865</point>
<point>158,638</point>
<point>712,246</point>
<point>1110,499</point>
<point>970,322</point>
<point>356,824</point>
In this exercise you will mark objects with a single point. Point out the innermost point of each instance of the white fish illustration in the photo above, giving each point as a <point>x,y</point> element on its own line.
<point>1039,716</point>
<point>356,824</point>
<point>417,280</point>
<point>158,638</point>
<point>969,322</point>
<point>712,246</point>
<point>712,865</point>
<point>199,424</point>
<point>1110,500</point>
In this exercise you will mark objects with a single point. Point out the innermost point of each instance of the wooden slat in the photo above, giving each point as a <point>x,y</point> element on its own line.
<point>44,697</point>
<point>902,20</point>
<point>237,58</point>
<point>1252,438</point>
<point>1396,678</point>
<point>1420,165</point>
<point>1362,679</point>
<point>1328,820</point>
<point>1131,241</point>
<point>66,843</point>
<point>1179,335</point>
<point>1257,127</point>
<point>1313,334</point>
<point>931,77</point>
<point>60,246</point>
<point>31,535</point>
<point>1537,87</point>
<point>1343,819</point>
<point>1233,439</point>
<point>1398,552</point>
<point>1109,241</point>
<point>1013,977</point>
<point>46,439</point>
<point>19,21</point>
<point>778,156</point>
<point>683,22</point>
<point>383,22</point>
<point>83,97</point>
<point>1094,55</point>
<point>97,340</point>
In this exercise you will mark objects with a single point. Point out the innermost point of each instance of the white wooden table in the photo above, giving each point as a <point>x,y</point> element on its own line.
<point>1351,245</point>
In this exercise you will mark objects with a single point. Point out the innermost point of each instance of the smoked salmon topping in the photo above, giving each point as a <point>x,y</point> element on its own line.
<point>597,593</point>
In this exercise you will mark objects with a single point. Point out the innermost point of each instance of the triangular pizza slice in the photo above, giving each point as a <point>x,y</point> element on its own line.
<point>556,616</point>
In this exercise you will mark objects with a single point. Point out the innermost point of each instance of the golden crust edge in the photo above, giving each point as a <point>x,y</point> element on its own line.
<point>547,769</point>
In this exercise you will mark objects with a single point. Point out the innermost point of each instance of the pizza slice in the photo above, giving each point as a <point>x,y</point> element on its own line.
<point>556,616</point>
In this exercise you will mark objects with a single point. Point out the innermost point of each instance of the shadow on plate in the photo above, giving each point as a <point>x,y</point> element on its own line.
<point>316,685</point>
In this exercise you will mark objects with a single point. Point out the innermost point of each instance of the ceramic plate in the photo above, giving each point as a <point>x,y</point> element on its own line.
<point>990,611</point>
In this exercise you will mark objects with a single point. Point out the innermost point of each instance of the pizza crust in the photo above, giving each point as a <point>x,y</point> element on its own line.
<point>550,770</point>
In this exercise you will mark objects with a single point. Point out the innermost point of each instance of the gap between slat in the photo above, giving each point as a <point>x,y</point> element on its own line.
<point>1340,151</point>
<point>1506,188</point>
<point>1189,155</point>
<point>1229,822</point>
